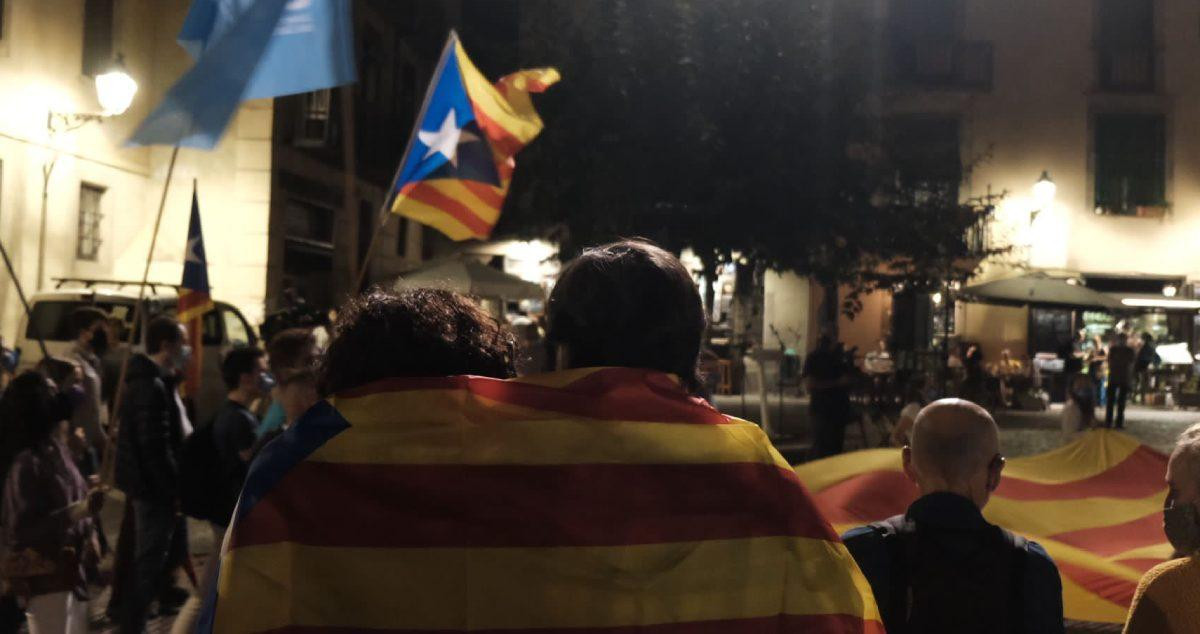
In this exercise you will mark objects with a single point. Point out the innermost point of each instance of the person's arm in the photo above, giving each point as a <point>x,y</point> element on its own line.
<point>1042,593</point>
<point>243,437</point>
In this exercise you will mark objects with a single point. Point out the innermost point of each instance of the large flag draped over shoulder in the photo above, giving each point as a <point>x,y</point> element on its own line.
<point>1095,504</point>
<point>456,172</point>
<point>600,500</point>
<point>249,49</point>
<point>194,296</point>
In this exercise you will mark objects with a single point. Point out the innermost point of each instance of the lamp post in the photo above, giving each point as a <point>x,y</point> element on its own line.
<point>115,90</point>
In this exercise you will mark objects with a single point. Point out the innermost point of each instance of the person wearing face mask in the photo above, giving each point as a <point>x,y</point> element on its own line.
<point>89,326</point>
<point>942,567</point>
<point>1166,599</point>
<point>293,356</point>
<point>149,443</point>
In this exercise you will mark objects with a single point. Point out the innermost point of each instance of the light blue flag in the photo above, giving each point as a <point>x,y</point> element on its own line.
<point>249,49</point>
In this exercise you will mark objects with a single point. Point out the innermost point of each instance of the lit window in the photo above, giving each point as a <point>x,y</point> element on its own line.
<point>316,110</point>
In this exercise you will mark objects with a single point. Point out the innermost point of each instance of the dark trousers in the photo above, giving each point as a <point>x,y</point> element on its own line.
<point>1116,394</point>
<point>155,527</point>
<point>830,413</point>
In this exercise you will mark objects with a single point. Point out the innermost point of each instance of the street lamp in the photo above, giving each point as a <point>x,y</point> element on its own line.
<point>115,90</point>
<point>1043,194</point>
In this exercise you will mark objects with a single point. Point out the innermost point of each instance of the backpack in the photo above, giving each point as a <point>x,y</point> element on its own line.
<point>199,469</point>
<point>935,590</point>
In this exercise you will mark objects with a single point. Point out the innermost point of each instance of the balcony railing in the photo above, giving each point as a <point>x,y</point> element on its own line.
<point>1126,69</point>
<point>942,64</point>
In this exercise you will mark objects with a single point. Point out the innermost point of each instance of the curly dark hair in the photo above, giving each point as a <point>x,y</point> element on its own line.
<point>420,332</point>
<point>628,304</point>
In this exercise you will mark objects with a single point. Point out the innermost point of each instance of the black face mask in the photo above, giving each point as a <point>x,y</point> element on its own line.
<point>99,342</point>
<point>66,401</point>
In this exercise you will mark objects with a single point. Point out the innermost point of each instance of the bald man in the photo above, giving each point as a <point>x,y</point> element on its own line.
<point>941,567</point>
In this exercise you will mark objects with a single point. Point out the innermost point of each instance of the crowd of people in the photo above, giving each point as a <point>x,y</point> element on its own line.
<point>937,568</point>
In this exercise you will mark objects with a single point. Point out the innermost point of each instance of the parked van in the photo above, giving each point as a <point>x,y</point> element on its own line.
<point>224,328</point>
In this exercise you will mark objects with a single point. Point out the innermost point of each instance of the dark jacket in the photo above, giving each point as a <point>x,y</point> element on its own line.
<point>233,433</point>
<point>151,434</point>
<point>1006,584</point>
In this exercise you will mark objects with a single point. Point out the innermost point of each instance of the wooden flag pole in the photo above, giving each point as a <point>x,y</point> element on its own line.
<point>109,461</point>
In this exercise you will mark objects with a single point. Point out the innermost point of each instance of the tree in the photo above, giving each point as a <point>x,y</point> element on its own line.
<point>733,126</point>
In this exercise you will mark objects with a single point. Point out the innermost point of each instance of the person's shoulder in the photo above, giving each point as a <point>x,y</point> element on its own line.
<point>1038,560</point>
<point>1170,573</point>
<point>871,535</point>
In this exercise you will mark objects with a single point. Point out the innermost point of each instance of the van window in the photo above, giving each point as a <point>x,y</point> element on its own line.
<point>236,331</point>
<point>53,318</point>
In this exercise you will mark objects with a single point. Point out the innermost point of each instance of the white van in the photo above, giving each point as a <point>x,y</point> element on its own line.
<point>224,328</point>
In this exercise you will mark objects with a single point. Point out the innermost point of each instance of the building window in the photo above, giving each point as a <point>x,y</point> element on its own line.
<point>924,150</point>
<point>97,36</point>
<point>87,243</point>
<point>1125,45</point>
<point>927,48</point>
<point>1131,170</point>
<point>316,112</point>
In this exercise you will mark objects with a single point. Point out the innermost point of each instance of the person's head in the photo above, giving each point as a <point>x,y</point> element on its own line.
<point>166,343</point>
<point>628,304</point>
<point>244,371</point>
<point>1147,338</point>
<point>955,448</point>
<point>293,357</point>
<point>30,411</point>
<point>89,326</point>
<point>1121,339</point>
<point>1181,516</point>
<point>417,332</point>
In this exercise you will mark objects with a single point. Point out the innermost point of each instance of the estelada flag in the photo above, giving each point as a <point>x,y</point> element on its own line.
<point>1094,504</point>
<point>459,163</point>
<point>594,500</point>
<point>194,296</point>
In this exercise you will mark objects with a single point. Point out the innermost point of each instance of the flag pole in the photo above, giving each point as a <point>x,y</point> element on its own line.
<point>384,209</point>
<point>24,302</point>
<point>108,462</point>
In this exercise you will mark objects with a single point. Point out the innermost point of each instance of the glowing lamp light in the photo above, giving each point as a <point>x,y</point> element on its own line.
<point>115,89</point>
<point>1170,290</point>
<point>1140,302</point>
<point>937,298</point>
<point>1044,190</point>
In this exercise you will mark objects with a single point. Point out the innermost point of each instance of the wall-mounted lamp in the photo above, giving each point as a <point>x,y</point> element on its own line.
<point>1043,194</point>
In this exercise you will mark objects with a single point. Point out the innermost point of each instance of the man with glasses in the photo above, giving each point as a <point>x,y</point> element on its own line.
<point>942,567</point>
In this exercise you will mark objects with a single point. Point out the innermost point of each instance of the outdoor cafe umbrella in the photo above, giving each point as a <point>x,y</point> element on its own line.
<point>1036,289</point>
<point>470,277</point>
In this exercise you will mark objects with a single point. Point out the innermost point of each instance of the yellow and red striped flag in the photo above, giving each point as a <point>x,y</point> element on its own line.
<point>458,166</point>
<point>1094,504</point>
<point>194,298</point>
<point>586,502</point>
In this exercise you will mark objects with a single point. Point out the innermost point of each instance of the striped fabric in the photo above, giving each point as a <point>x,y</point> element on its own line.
<point>1095,504</point>
<point>590,501</point>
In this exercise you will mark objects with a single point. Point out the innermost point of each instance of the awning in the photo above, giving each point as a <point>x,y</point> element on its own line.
<point>1038,289</point>
<point>470,277</point>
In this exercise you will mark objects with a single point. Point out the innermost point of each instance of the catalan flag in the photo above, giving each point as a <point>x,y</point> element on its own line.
<point>1095,504</point>
<point>459,164</point>
<point>588,501</point>
<point>194,297</point>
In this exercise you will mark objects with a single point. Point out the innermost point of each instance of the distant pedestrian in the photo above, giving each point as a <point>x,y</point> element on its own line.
<point>89,327</point>
<point>941,567</point>
<point>50,547</point>
<point>1166,599</point>
<point>151,438</point>
<point>827,379</point>
<point>292,356</point>
<point>1120,359</point>
<point>1079,410</point>
<point>1147,360</point>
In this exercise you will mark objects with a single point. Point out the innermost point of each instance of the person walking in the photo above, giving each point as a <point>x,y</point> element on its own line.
<point>827,379</point>
<point>941,567</point>
<point>1165,600</point>
<point>149,443</point>
<point>51,552</point>
<point>1147,359</point>
<point>1120,359</point>
<point>89,326</point>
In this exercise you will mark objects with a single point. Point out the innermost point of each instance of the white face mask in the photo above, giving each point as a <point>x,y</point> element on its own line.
<point>181,357</point>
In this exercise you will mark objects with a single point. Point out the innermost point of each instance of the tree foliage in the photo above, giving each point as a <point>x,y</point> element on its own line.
<point>734,126</point>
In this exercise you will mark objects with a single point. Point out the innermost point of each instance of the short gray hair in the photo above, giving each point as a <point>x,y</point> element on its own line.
<point>1188,448</point>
